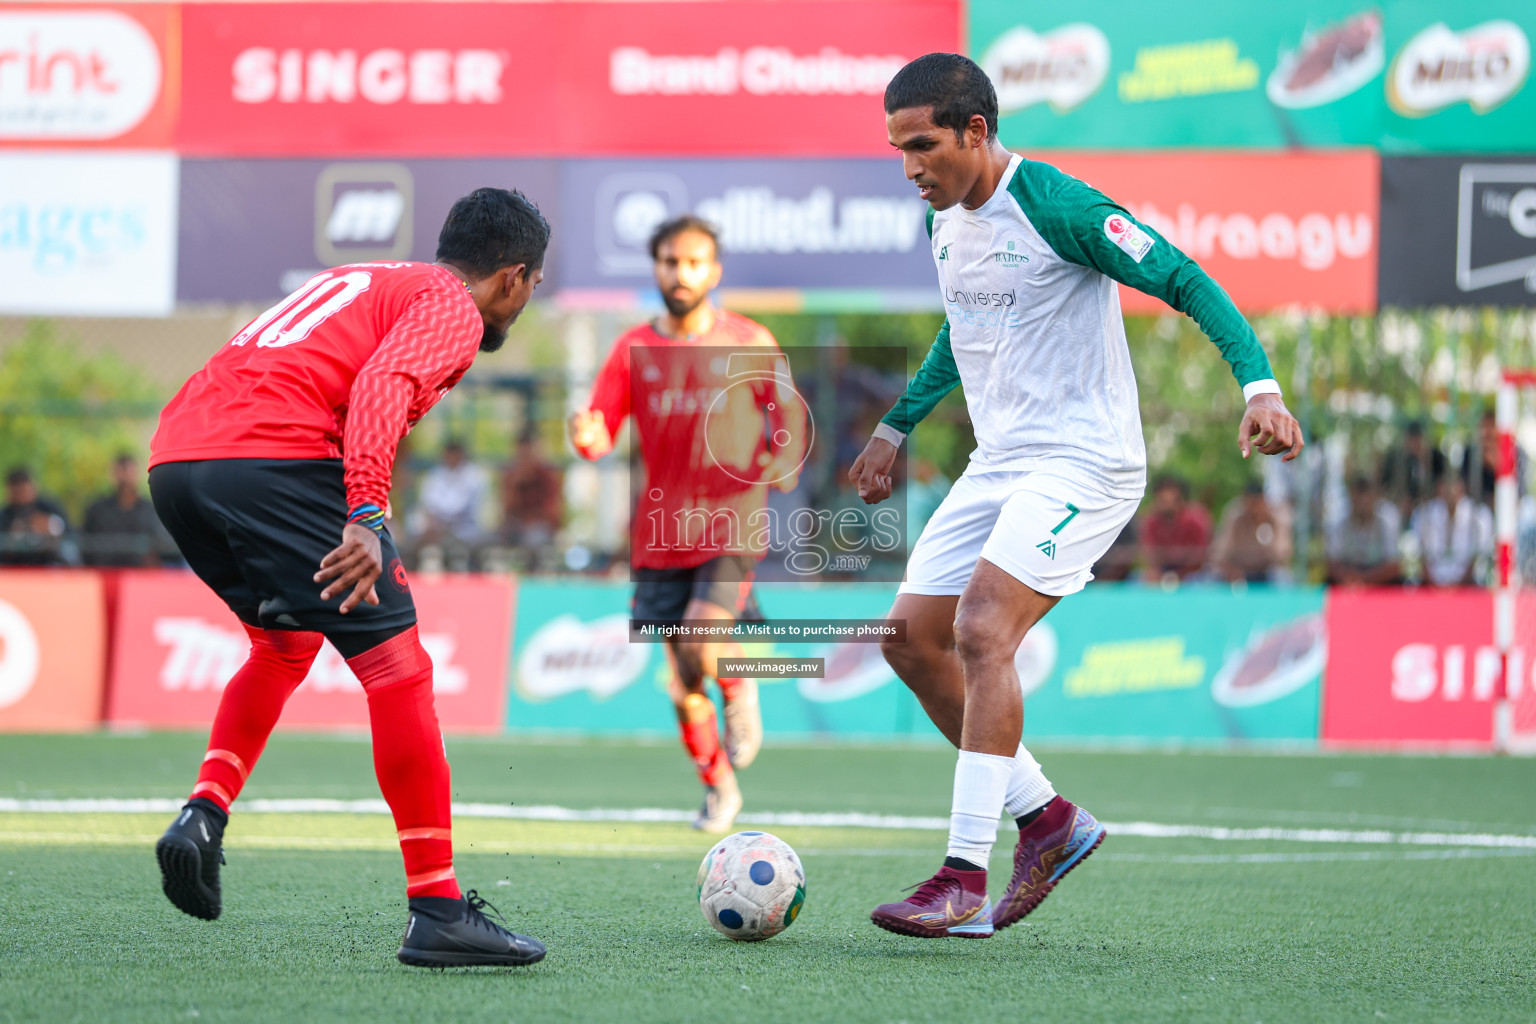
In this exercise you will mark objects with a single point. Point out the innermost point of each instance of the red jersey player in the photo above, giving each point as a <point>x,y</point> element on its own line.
<point>281,446</point>
<point>716,430</point>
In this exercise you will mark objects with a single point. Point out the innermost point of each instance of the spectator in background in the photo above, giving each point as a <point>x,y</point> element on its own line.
<point>1175,534</point>
<point>1454,533</point>
<point>34,530</point>
<point>1253,543</point>
<point>121,528</point>
<point>449,511</point>
<point>1409,473</point>
<point>532,502</point>
<point>1362,546</point>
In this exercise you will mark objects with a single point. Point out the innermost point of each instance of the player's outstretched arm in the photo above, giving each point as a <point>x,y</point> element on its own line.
<point>354,565</point>
<point>1269,426</point>
<point>937,377</point>
<point>594,428</point>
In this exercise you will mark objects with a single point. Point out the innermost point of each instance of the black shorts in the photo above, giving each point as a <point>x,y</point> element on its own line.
<point>662,595</point>
<point>255,531</point>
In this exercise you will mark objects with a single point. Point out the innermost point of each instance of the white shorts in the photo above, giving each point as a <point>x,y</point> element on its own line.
<point>1043,528</point>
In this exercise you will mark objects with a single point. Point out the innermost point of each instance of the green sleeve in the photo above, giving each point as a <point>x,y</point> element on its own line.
<point>936,378</point>
<point>1075,220</point>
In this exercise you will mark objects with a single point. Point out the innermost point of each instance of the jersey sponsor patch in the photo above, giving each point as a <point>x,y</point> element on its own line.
<point>1124,232</point>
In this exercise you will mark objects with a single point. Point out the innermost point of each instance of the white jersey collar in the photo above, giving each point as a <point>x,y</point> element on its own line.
<point>999,195</point>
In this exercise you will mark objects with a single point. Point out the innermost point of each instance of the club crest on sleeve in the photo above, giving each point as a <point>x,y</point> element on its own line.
<point>1125,233</point>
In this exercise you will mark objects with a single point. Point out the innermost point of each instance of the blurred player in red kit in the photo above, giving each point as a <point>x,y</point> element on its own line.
<point>271,470</point>
<point>716,430</point>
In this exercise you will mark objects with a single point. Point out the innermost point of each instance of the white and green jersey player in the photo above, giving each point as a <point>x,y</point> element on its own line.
<point>1027,258</point>
<point>1033,333</point>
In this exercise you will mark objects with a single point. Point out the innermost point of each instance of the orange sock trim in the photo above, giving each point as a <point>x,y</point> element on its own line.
<point>217,790</point>
<point>445,834</point>
<point>230,758</point>
<point>428,878</point>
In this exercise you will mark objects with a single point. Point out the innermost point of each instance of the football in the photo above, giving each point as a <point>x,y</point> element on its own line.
<point>751,886</point>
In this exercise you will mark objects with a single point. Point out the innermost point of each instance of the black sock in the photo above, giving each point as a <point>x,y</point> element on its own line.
<point>1025,819</point>
<point>961,865</point>
<point>214,810</point>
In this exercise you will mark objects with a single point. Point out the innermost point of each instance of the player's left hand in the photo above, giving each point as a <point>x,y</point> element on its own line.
<point>1269,426</point>
<point>355,565</point>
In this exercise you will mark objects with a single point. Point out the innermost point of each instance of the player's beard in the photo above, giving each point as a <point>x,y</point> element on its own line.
<point>492,338</point>
<point>681,307</point>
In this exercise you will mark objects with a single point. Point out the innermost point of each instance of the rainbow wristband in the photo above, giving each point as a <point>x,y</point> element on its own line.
<point>368,515</point>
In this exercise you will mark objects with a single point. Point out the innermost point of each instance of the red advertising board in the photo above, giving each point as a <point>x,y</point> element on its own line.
<point>1415,667</point>
<point>175,646</point>
<point>52,650</point>
<point>77,75</point>
<point>783,77</point>
<point>1275,230</point>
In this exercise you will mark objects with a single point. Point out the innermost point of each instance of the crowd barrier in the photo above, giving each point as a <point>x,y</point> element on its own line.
<point>1119,663</point>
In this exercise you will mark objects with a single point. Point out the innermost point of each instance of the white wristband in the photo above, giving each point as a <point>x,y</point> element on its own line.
<point>886,432</point>
<point>1260,387</point>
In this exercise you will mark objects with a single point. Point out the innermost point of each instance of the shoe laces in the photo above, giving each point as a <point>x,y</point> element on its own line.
<point>474,911</point>
<point>933,889</point>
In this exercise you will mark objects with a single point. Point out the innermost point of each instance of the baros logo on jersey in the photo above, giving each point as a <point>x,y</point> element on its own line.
<point>1496,226</point>
<point>261,74</point>
<point>1482,66</point>
<point>1131,240</point>
<point>75,75</point>
<point>757,71</point>
<point>1062,67</point>
<point>363,212</point>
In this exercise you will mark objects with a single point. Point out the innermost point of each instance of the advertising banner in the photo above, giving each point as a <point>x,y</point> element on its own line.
<point>793,77</point>
<point>87,234</point>
<point>88,76</point>
<point>574,670</point>
<point>1412,667</point>
<point>254,230</point>
<point>1115,662</point>
<point>1274,230</point>
<point>1458,231</point>
<point>176,645</point>
<point>53,639</point>
<point>785,224</point>
<point>1402,75</point>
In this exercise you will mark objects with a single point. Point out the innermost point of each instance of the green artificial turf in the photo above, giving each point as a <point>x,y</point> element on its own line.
<point>1148,929</point>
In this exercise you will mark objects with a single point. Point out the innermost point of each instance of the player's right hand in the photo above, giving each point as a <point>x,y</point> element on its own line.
<point>589,433</point>
<point>871,471</point>
<point>356,565</point>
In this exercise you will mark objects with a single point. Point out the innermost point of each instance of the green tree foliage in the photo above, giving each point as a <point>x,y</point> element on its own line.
<point>65,413</point>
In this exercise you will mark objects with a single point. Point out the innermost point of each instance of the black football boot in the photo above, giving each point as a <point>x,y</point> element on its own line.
<point>456,933</point>
<point>190,853</point>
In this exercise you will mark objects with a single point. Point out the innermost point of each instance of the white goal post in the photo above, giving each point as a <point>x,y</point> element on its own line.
<point>1514,597</point>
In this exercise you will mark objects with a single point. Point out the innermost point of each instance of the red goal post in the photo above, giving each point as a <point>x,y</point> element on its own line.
<point>1514,599</point>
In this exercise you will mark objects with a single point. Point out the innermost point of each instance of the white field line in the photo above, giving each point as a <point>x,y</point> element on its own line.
<point>651,815</point>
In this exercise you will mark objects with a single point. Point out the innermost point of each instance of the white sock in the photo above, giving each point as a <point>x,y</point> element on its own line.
<point>1028,788</point>
<point>981,782</point>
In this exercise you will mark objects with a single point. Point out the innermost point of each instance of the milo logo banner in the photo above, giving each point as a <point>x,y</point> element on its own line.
<point>1402,75</point>
<point>1115,662</point>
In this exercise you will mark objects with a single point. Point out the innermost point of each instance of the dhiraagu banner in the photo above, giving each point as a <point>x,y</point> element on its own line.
<point>1402,75</point>
<point>1200,664</point>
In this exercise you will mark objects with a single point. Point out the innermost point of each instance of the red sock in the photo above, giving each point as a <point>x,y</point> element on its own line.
<point>252,703</point>
<point>409,760</point>
<point>729,688</point>
<point>701,738</point>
